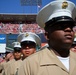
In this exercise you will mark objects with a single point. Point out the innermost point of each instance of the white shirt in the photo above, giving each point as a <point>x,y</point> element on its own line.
<point>65,61</point>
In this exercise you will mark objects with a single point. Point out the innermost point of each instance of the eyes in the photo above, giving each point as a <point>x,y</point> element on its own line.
<point>28,45</point>
<point>62,26</point>
<point>73,45</point>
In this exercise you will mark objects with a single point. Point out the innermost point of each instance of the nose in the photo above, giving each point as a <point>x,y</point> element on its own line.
<point>68,29</point>
<point>27,47</point>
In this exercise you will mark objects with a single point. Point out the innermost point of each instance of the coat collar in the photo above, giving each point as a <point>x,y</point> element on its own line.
<point>49,54</point>
<point>72,62</point>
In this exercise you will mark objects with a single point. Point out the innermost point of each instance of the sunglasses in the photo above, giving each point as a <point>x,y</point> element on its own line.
<point>28,44</point>
<point>73,45</point>
<point>16,49</point>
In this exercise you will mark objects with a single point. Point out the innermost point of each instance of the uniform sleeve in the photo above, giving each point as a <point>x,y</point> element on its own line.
<point>0,67</point>
<point>7,70</point>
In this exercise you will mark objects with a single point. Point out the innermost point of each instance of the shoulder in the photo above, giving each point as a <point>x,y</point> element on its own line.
<point>36,56</point>
<point>73,54</point>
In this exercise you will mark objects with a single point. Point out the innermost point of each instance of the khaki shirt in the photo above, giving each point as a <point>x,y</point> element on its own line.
<point>6,65</point>
<point>13,68</point>
<point>45,62</point>
<point>2,67</point>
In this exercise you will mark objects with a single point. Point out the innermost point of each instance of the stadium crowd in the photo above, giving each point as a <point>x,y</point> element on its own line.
<point>16,28</point>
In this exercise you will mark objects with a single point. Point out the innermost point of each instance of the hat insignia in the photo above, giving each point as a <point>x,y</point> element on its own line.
<point>17,43</point>
<point>26,34</point>
<point>64,5</point>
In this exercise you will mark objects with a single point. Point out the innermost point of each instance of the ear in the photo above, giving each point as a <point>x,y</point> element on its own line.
<point>46,36</point>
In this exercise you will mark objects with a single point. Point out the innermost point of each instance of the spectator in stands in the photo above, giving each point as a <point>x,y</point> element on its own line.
<point>57,59</point>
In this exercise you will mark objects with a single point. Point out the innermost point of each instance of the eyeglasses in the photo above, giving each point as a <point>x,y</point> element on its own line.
<point>17,49</point>
<point>73,45</point>
<point>28,44</point>
<point>61,26</point>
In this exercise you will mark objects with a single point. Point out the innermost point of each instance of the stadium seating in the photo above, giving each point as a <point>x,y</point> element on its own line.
<point>16,28</point>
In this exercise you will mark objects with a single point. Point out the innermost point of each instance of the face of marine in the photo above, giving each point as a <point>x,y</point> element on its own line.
<point>28,49</point>
<point>17,53</point>
<point>60,37</point>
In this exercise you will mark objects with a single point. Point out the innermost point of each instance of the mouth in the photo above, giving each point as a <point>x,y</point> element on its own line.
<point>27,52</point>
<point>68,36</point>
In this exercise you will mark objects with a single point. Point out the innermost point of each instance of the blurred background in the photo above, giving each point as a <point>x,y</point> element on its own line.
<point>17,16</point>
